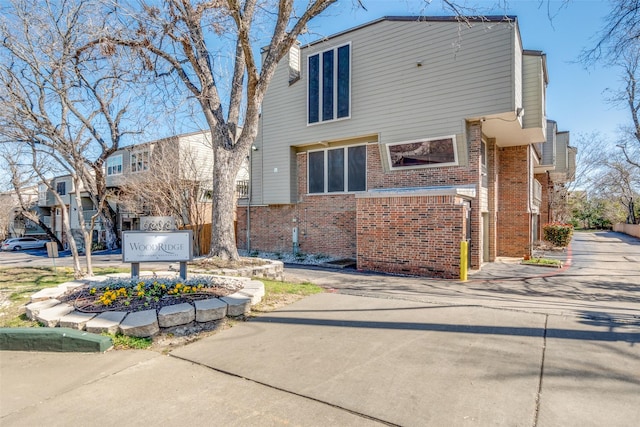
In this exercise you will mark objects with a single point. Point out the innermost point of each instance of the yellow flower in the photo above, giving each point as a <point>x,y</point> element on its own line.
<point>93,291</point>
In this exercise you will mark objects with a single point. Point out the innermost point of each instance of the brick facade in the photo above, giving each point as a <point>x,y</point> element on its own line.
<point>417,235</point>
<point>334,224</point>
<point>514,217</point>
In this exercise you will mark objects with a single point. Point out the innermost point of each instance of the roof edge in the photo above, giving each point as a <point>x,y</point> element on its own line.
<point>421,18</point>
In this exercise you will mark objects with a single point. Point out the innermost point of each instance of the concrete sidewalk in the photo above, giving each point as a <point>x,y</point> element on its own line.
<point>346,360</point>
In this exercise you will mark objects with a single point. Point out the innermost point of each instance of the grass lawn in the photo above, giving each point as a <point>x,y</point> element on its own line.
<point>543,261</point>
<point>17,284</point>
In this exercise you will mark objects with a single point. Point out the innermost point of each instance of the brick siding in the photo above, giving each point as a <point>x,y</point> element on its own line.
<point>340,225</point>
<point>514,219</point>
<point>416,235</point>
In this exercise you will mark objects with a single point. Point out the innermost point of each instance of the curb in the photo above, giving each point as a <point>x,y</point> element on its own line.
<point>52,339</point>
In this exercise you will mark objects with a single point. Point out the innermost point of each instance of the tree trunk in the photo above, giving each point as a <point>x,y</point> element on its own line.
<point>87,234</point>
<point>223,238</point>
<point>66,225</point>
<point>109,223</point>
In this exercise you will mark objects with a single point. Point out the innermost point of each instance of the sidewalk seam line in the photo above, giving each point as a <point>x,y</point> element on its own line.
<point>541,375</point>
<point>333,405</point>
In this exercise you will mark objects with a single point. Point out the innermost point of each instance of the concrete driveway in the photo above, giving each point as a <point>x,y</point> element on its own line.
<point>512,347</point>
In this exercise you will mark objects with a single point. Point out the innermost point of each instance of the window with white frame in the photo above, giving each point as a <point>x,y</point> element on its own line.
<point>427,153</point>
<point>139,161</point>
<point>337,170</point>
<point>114,165</point>
<point>329,86</point>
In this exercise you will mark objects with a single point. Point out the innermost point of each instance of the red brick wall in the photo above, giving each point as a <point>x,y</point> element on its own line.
<point>417,235</point>
<point>493,168</point>
<point>514,219</point>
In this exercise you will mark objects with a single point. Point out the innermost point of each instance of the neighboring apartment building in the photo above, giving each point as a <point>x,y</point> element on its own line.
<point>171,165</point>
<point>52,212</point>
<point>12,222</point>
<point>392,142</point>
<point>556,170</point>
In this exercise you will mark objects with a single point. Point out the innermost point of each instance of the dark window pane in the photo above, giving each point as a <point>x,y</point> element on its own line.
<point>327,85</point>
<point>61,188</point>
<point>343,81</point>
<point>357,168</point>
<point>336,170</point>
<point>314,88</point>
<point>316,172</point>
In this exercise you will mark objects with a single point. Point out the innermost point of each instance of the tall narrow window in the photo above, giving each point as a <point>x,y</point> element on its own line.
<point>329,91</point>
<point>357,171</point>
<point>343,79</point>
<point>316,172</point>
<point>335,173</point>
<point>314,88</point>
<point>139,161</point>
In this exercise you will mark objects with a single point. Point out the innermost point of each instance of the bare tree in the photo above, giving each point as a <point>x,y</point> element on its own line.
<point>618,44</point>
<point>78,106</point>
<point>619,34</point>
<point>182,39</point>
<point>630,97</point>
<point>23,176</point>
<point>619,181</point>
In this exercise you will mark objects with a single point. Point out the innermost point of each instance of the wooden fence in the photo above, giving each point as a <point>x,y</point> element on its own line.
<point>203,240</point>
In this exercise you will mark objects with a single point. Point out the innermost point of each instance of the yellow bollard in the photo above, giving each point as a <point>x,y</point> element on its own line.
<point>464,253</point>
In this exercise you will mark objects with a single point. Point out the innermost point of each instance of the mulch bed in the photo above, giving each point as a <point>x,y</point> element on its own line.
<point>83,301</point>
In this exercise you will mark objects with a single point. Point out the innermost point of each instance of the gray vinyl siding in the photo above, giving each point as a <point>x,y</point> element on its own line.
<point>562,147</point>
<point>465,72</point>
<point>549,147</point>
<point>533,92</point>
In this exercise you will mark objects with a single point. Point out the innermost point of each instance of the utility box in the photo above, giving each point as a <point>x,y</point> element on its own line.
<point>52,249</point>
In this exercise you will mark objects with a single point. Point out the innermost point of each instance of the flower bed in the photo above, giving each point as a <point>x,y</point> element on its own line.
<point>145,293</point>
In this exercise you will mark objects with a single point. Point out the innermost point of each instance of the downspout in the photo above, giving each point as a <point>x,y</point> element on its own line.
<point>250,157</point>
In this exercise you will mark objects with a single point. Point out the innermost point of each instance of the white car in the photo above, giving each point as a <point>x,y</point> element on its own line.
<point>18,243</point>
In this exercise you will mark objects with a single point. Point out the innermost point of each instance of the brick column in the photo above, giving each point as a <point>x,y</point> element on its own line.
<point>514,218</point>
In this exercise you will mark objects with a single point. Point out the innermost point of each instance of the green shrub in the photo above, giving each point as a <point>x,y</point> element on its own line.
<point>558,234</point>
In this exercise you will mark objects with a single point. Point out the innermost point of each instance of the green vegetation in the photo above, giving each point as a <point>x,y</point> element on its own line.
<point>17,284</point>
<point>558,234</point>
<point>278,294</point>
<point>543,261</point>
<point>125,342</point>
<point>278,288</point>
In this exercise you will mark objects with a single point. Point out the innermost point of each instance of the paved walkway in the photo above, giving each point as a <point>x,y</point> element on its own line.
<point>379,350</point>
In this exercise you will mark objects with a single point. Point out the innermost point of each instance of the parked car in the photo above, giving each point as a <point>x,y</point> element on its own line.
<point>18,243</point>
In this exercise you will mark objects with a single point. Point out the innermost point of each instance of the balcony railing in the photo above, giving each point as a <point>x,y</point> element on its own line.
<point>242,189</point>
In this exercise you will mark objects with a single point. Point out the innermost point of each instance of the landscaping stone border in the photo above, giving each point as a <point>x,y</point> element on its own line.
<point>46,308</point>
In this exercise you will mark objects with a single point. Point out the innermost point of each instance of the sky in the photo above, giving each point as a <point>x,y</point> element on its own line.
<point>577,96</point>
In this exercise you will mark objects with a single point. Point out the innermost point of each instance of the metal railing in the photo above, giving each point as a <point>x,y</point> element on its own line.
<point>242,189</point>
